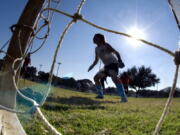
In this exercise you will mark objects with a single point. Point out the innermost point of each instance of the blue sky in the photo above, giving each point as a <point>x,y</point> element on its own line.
<point>154,17</point>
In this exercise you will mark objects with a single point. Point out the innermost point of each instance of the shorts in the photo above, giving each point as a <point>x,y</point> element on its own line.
<point>109,68</point>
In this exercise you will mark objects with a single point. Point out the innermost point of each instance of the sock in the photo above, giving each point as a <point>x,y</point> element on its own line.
<point>99,90</point>
<point>121,91</point>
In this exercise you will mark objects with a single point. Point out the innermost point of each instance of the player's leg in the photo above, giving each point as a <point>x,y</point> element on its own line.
<point>114,76</point>
<point>97,79</point>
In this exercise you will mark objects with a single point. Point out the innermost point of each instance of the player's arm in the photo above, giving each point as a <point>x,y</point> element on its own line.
<point>115,52</point>
<point>95,62</point>
<point>121,64</point>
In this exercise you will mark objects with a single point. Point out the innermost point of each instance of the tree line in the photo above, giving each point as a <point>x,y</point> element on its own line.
<point>140,79</point>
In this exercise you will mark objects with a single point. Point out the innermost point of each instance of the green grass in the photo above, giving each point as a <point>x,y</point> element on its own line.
<point>76,113</point>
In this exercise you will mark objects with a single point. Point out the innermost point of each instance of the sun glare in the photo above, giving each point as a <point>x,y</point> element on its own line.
<point>136,33</point>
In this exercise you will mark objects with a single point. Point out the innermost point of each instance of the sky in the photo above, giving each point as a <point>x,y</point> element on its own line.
<point>153,17</point>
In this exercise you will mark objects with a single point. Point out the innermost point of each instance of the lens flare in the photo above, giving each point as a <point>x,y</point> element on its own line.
<point>136,33</point>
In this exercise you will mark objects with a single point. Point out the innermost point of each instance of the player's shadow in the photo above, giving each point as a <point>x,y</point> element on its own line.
<point>67,103</point>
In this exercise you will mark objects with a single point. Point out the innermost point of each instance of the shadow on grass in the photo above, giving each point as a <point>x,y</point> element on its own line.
<point>60,107</point>
<point>64,104</point>
<point>78,101</point>
<point>73,100</point>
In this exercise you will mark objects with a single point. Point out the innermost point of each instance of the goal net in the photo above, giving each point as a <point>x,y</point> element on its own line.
<point>175,6</point>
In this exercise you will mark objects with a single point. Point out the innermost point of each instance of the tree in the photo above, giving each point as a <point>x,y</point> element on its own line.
<point>142,77</point>
<point>43,77</point>
<point>31,73</point>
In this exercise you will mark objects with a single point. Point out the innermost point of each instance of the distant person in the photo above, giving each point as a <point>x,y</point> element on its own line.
<point>112,61</point>
<point>27,62</point>
<point>125,79</point>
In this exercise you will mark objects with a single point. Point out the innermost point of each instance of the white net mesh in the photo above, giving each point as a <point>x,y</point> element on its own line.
<point>36,95</point>
<point>175,5</point>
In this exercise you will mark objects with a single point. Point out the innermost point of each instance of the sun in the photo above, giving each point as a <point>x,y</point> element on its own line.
<point>136,33</point>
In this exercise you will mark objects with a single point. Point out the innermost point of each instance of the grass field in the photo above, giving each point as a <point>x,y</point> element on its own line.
<point>76,113</point>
